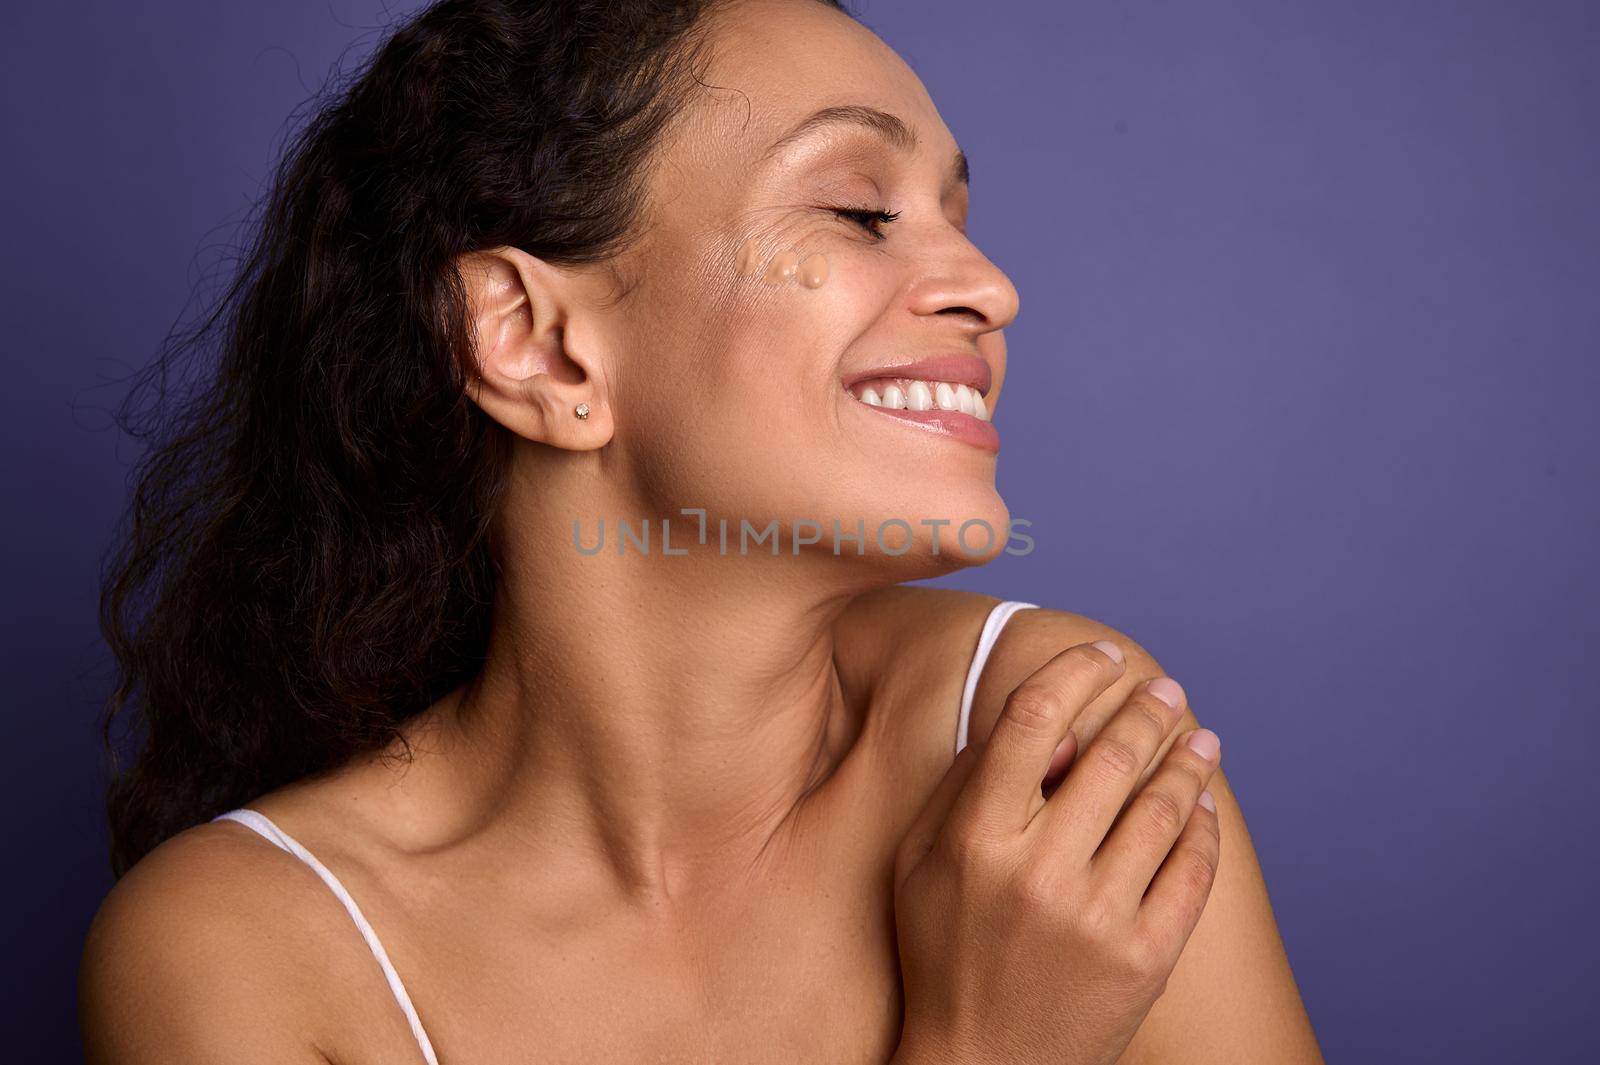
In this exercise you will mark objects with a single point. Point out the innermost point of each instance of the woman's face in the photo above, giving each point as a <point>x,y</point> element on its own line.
<point>757,313</point>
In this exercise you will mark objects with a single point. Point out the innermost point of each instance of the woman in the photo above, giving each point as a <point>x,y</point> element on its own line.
<point>435,767</point>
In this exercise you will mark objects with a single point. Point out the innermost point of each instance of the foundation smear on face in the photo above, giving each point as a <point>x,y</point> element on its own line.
<point>813,270</point>
<point>782,267</point>
<point>810,271</point>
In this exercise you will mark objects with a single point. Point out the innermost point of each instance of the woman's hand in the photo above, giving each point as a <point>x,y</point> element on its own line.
<point>1042,929</point>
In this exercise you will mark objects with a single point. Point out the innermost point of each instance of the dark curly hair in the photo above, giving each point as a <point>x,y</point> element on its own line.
<point>306,559</point>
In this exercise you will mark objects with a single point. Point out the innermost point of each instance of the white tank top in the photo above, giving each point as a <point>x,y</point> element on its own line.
<point>262,825</point>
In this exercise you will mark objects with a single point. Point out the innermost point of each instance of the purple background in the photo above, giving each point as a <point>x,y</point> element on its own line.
<point>1302,399</point>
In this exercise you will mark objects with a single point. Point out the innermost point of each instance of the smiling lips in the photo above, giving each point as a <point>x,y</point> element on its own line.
<point>944,394</point>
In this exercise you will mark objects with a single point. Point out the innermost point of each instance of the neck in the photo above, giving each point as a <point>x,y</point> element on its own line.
<point>661,718</point>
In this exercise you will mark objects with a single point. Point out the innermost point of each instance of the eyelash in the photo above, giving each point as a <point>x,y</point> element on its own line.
<point>866,216</point>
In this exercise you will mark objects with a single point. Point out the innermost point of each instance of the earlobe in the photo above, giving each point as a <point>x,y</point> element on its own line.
<point>529,375</point>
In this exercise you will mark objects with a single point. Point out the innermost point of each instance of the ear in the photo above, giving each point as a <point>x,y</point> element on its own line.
<point>534,369</point>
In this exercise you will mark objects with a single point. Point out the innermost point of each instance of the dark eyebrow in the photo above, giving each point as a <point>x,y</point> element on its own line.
<point>889,127</point>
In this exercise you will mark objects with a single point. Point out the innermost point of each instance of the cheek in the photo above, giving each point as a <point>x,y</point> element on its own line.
<point>808,296</point>
<point>793,285</point>
<point>736,397</point>
<point>797,302</point>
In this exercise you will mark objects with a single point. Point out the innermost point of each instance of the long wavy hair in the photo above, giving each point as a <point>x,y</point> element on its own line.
<point>306,560</point>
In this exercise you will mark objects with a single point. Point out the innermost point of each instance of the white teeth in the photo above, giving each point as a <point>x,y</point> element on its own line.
<point>912,394</point>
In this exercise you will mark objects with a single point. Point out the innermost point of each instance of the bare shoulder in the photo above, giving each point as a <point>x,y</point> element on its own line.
<point>903,651</point>
<point>910,647</point>
<point>916,642</point>
<point>1033,637</point>
<point>897,633</point>
<point>1233,991</point>
<point>217,946</point>
<point>927,616</point>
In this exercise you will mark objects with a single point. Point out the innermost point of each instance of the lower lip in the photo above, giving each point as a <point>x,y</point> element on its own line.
<point>953,423</point>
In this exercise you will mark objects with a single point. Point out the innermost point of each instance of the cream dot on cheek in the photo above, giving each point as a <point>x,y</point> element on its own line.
<point>782,267</point>
<point>813,270</point>
<point>749,258</point>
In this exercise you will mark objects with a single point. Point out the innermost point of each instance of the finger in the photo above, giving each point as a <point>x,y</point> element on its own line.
<point>1005,786</point>
<point>1144,834</point>
<point>1178,894</point>
<point>920,837</point>
<point>1065,753</point>
<point>1077,817</point>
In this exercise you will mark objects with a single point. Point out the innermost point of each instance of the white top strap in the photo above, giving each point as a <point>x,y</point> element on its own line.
<point>986,641</point>
<point>263,826</point>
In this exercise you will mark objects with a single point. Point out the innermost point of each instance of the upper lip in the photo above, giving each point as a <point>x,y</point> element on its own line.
<point>969,370</point>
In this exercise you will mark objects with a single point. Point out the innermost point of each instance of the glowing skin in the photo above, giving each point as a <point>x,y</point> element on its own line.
<point>662,813</point>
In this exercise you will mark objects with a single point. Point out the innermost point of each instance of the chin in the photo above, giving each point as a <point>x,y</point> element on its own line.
<point>917,528</point>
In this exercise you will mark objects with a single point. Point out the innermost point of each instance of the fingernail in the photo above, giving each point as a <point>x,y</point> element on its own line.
<point>1110,649</point>
<point>1207,801</point>
<point>1167,690</point>
<point>1204,742</point>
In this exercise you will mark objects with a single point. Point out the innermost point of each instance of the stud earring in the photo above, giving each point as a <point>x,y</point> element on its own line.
<point>581,410</point>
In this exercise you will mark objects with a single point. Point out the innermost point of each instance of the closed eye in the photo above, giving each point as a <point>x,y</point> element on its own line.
<point>867,218</point>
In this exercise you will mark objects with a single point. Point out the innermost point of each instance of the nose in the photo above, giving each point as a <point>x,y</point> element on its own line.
<point>960,282</point>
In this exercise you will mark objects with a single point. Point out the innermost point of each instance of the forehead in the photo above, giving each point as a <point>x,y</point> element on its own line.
<point>785,48</point>
<point>773,65</point>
